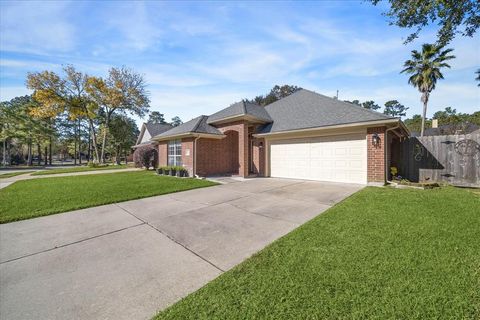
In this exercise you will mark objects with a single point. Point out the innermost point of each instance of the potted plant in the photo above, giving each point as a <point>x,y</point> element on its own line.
<point>160,170</point>
<point>178,171</point>
<point>173,172</point>
<point>183,173</point>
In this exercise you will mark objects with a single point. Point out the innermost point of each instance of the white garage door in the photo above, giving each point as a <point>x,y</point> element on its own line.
<point>331,158</point>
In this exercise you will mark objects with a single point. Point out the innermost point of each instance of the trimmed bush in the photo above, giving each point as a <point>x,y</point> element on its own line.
<point>145,157</point>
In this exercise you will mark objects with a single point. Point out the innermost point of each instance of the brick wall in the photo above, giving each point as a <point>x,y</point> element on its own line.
<point>215,157</point>
<point>162,153</point>
<point>376,155</point>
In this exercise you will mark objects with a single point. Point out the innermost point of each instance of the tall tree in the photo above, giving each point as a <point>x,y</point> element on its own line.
<point>453,17</point>
<point>425,70</point>
<point>355,102</point>
<point>156,117</point>
<point>20,125</point>
<point>124,132</point>
<point>395,109</point>
<point>57,94</point>
<point>176,121</point>
<point>414,124</point>
<point>276,93</point>
<point>478,76</point>
<point>371,105</point>
<point>122,91</point>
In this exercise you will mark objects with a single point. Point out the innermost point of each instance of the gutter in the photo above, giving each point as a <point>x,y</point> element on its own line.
<point>189,134</point>
<point>347,125</point>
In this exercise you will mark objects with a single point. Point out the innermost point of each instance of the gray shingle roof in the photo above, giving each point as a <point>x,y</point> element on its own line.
<point>196,125</point>
<point>240,109</point>
<point>157,128</point>
<point>306,109</point>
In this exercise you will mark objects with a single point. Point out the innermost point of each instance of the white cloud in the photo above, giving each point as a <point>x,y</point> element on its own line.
<point>36,29</point>
<point>136,23</point>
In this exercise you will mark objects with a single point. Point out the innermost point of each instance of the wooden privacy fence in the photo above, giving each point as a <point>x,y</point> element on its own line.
<point>454,159</point>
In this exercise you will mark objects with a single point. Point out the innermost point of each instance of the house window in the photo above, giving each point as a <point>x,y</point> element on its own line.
<point>175,152</point>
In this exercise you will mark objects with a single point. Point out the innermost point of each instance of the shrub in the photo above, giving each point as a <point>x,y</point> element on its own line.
<point>145,157</point>
<point>94,164</point>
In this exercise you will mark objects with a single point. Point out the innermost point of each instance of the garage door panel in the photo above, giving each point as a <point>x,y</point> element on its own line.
<point>331,158</point>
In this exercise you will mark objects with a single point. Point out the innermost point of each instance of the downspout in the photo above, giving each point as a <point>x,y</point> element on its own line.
<point>194,173</point>
<point>386,149</point>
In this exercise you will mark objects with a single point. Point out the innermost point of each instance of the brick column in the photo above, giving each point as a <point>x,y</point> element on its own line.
<point>376,155</point>
<point>259,156</point>
<point>243,150</point>
<point>187,155</point>
<point>162,153</point>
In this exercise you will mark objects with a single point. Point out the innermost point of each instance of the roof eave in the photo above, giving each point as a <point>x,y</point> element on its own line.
<point>239,118</point>
<point>346,125</point>
<point>189,134</point>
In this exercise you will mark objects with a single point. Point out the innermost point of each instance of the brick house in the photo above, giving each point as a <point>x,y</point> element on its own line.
<point>149,130</point>
<point>304,136</point>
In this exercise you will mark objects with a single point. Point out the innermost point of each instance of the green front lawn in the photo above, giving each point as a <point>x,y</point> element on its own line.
<point>39,197</point>
<point>78,169</point>
<point>381,254</point>
<point>13,174</point>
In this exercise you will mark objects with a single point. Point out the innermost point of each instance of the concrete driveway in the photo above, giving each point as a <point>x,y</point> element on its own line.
<point>131,259</point>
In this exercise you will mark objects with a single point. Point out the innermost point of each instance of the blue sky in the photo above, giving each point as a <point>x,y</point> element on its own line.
<point>200,57</point>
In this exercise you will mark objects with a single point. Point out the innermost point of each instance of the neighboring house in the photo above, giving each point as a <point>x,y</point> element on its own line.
<point>150,130</point>
<point>304,136</point>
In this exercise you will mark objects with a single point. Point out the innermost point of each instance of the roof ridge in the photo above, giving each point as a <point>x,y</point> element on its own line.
<point>200,118</point>
<point>347,103</point>
<point>244,107</point>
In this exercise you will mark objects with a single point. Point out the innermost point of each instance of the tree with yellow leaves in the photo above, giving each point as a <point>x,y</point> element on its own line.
<point>123,91</point>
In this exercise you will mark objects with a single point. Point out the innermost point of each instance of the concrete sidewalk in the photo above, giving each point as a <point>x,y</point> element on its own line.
<point>8,181</point>
<point>131,259</point>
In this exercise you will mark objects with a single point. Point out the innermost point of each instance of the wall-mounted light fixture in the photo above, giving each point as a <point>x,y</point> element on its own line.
<point>260,145</point>
<point>375,140</point>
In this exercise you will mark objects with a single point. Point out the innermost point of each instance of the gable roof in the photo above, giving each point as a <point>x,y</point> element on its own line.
<point>306,109</point>
<point>157,128</point>
<point>153,129</point>
<point>196,125</point>
<point>239,109</point>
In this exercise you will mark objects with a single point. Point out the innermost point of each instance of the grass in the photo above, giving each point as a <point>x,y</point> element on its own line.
<point>13,174</point>
<point>383,253</point>
<point>40,197</point>
<point>77,169</point>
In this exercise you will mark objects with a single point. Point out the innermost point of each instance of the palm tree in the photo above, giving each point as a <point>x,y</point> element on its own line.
<point>424,68</point>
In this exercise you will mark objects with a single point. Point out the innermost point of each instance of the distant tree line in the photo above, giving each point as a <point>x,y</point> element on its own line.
<point>157,117</point>
<point>74,115</point>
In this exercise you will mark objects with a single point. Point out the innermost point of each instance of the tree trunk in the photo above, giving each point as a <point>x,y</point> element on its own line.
<point>29,151</point>
<point>424,114</point>
<point>79,144</point>
<point>39,151</point>
<point>104,140</point>
<point>45,155</point>
<point>126,160</point>
<point>118,155</point>
<point>4,160</point>
<point>74,145</point>
<point>89,148</point>
<point>50,152</point>
<point>94,139</point>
